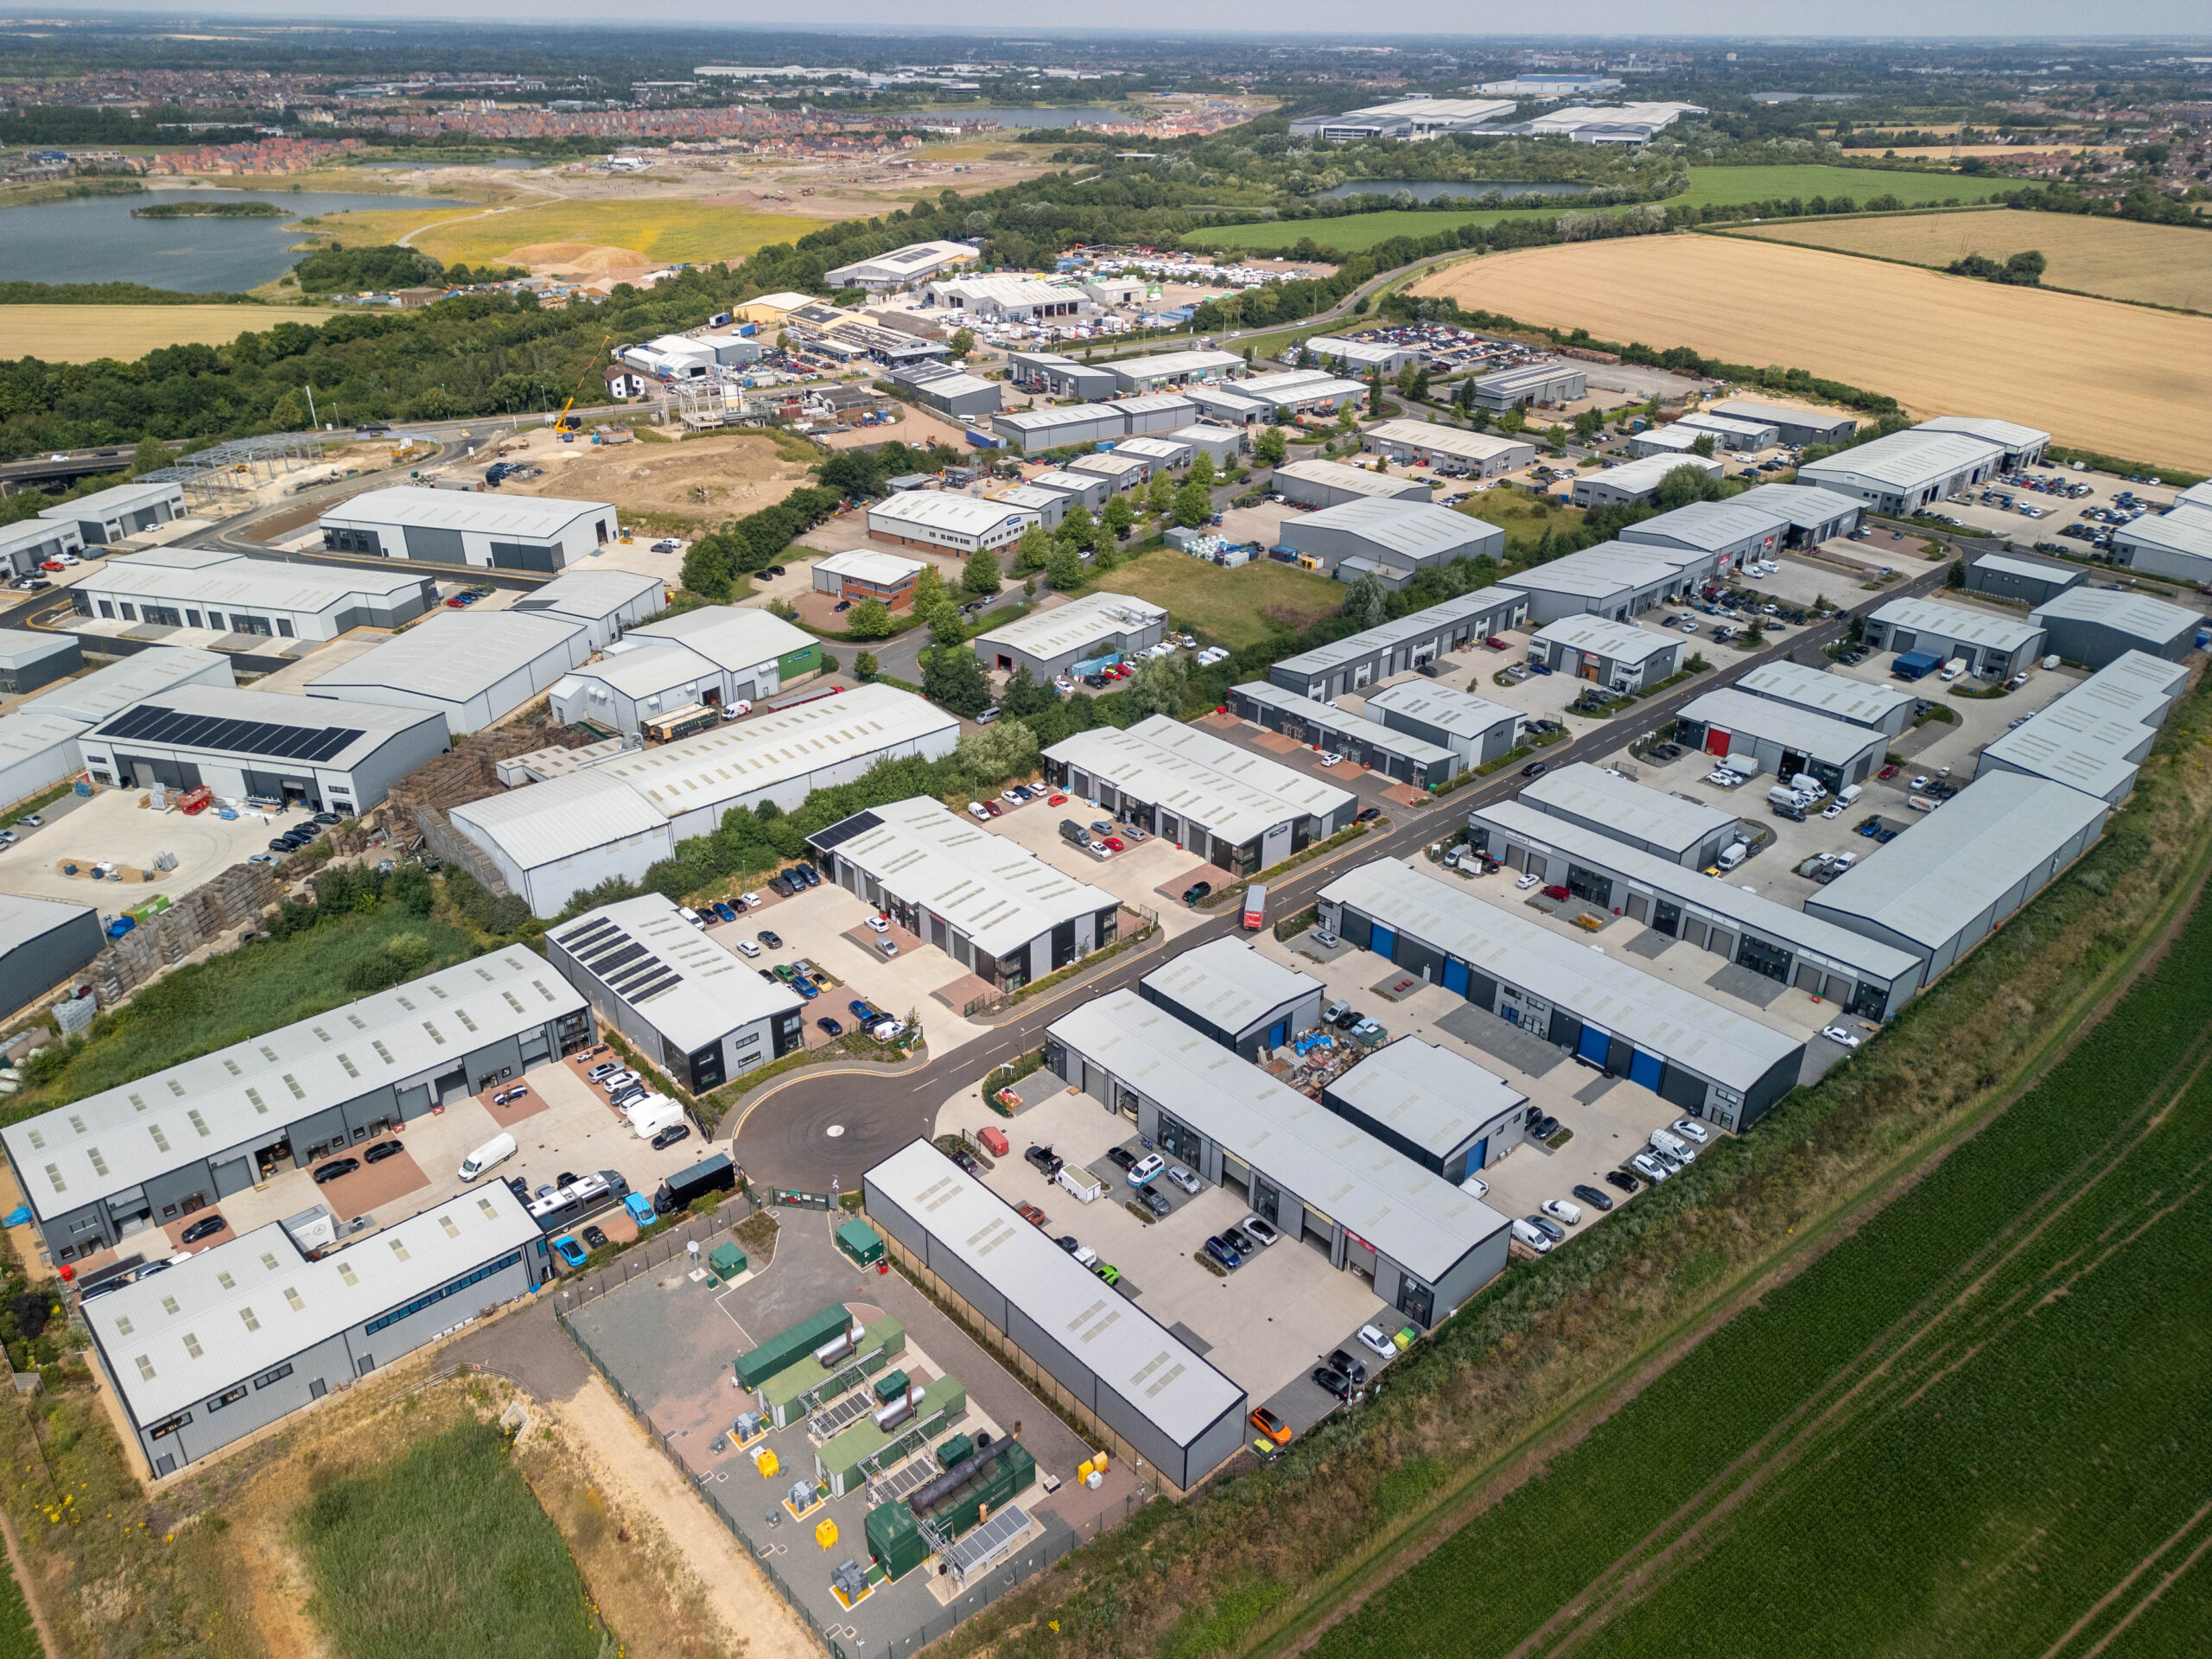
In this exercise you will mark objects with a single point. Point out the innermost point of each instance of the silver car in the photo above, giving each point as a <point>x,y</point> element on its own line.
<point>1183,1178</point>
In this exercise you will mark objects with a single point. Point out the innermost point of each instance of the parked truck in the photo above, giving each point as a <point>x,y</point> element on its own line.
<point>715,1174</point>
<point>1255,907</point>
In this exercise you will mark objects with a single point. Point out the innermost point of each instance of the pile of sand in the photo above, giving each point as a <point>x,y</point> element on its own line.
<point>578,261</point>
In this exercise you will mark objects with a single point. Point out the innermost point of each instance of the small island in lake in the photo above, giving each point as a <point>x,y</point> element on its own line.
<point>211,210</point>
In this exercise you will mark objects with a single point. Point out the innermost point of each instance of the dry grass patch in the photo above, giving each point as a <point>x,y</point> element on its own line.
<point>2119,258</point>
<point>81,334</point>
<point>703,479</point>
<point>1238,608</point>
<point>2093,373</point>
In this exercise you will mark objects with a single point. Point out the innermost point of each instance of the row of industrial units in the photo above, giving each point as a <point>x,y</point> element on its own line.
<point>469,528</point>
<point>2095,736</point>
<point>1400,646</point>
<point>1919,466</point>
<point>1400,754</point>
<point>1096,628</point>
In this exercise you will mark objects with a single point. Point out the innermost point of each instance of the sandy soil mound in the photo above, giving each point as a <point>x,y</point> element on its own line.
<point>708,479</point>
<point>577,259</point>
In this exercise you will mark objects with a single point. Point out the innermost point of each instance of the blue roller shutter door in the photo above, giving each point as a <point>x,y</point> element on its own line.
<point>1385,943</point>
<point>1594,1043</point>
<point>1278,1033</point>
<point>1646,1068</point>
<point>1455,975</point>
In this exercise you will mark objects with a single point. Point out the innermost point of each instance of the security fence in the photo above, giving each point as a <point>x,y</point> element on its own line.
<point>657,1251</point>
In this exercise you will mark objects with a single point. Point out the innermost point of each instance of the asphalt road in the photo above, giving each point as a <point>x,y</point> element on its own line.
<point>819,1127</point>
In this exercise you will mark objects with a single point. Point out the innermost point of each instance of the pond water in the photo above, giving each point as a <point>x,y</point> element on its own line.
<point>1446,189</point>
<point>97,241</point>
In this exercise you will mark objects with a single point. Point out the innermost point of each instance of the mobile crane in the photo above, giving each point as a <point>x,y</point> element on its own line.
<point>566,421</point>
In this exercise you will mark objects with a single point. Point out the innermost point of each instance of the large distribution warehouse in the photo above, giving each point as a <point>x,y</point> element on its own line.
<point>1756,734</point>
<point>141,1154</point>
<point>459,528</point>
<point>1450,451</point>
<point>1084,1345</point>
<point>1393,540</point>
<point>1704,1058</point>
<point>2097,626</point>
<point>207,587</point>
<point>568,834</point>
<point>1330,483</point>
<point>1427,1245</point>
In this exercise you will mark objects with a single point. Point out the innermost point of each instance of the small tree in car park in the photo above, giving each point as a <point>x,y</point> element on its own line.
<point>870,620</point>
<point>1202,470</point>
<point>1079,530</point>
<point>1270,448</point>
<point>963,341</point>
<point>1119,518</point>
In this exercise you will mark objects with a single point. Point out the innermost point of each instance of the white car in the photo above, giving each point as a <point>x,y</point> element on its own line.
<point>1531,880</point>
<point>1258,1231</point>
<point>1183,1178</point>
<point>1330,758</point>
<point>1371,1337</point>
<point>877,925</point>
<point>749,902</point>
<point>1560,1209</point>
<point>1833,810</point>
<point>1919,783</point>
<point>1648,1166</point>
<point>1475,1186</point>
<point>747,947</point>
<point>1690,1130</point>
<point>1146,1167</point>
<point>1838,1034</point>
<point>691,916</point>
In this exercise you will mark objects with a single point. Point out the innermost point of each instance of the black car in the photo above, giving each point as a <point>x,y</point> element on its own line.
<point>1534,769</point>
<point>1155,1203</point>
<point>1234,1237</point>
<point>335,1169</point>
<point>595,1239</point>
<point>1067,1242</point>
<point>774,941</point>
<point>566,1178</point>
<point>1368,815</point>
<point>1622,1179</point>
<point>1335,1382</point>
<point>382,1150</point>
<point>283,844</point>
<point>519,1188</point>
<point>1593,1197</point>
<point>965,1159</point>
<point>205,1228</point>
<point>328,818</point>
<point>1341,1361</point>
<point>669,1136</point>
<point>765,974</point>
<point>1196,891</point>
<point>1543,1126</point>
<point>833,1026</point>
<point>1347,1019</point>
<point>1121,1157</point>
<point>1047,1161</point>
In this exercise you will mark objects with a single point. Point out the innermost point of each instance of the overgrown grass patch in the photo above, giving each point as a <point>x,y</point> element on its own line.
<point>1238,608</point>
<point>443,1550</point>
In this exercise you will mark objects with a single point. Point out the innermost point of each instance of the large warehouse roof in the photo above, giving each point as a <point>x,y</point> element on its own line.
<point>776,748</point>
<point>542,823</point>
<point>1807,506</point>
<point>1416,1219</point>
<point>250,1303</point>
<point>263,725</point>
<point>1984,628</point>
<point>1460,713</point>
<point>1447,440</point>
<point>2011,434</point>
<point>586,592</point>
<point>1710,526</point>
<point>693,991</point>
<point>963,515</point>
<point>993,889</point>
<point>1934,880</point>
<point>1859,701</point>
<point>2147,618</point>
<point>244,1094</point>
<point>1421,625</point>
<point>734,637</point>
<point>1419,530</point>
<point>135,679</point>
<point>1740,713</point>
<point>457,654</point>
<point>1231,790</point>
<point>1904,462</point>
<point>1080,623</point>
<point>541,516</point>
<point>269,584</point>
<point>1052,417</point>
<point>1623,642</point>
<point>1230,982</point>
<point>1154,1372</point>
<point>1601,572</point>
<point>2071,743</point>
<point>1640,814</point>
<point>1433,1096</point>
<point>1329,718</point>
<point>1660,1018</point>
<point>1171,363</point>
<point>1335,475</point>
<point>2134,686</point>
<point>1649,472</point>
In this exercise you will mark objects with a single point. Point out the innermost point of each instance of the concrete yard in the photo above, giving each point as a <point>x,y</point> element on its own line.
<point>1137,876</point>
<point>112,827</point>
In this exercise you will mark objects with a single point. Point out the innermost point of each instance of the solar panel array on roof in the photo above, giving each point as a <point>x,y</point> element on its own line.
<point>150,723</point>
<point>619,963</point>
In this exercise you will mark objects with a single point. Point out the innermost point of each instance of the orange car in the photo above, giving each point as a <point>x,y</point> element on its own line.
<point>1030,1213</point>
<point>1271,1426</point>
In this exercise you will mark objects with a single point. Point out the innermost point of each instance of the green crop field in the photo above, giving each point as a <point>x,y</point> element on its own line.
<point>19,1636</point>
<point>1710,187</point>
<point>1975,1428</point>
<point>443,1551</point>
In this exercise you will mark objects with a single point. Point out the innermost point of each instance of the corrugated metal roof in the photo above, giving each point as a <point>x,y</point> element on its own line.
<point>1203,778</point>
<point>1435,1098</point>
<point>1605,798</point>
<point>540,517</point>
<point>698,992</point>
<point>542,823</point>
<point>1230,983</point>
<point>454,656</point>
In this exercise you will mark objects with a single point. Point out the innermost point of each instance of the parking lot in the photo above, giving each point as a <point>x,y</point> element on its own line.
<point>110,827</point>
<point>1148,875</point>
<point>1983,508</point>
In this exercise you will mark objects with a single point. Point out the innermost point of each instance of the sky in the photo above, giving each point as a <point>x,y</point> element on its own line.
<point>1767,19</point>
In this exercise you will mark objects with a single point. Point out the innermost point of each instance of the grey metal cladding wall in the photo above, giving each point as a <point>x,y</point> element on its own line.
<point>1472,1271</point>
<point>894,1221</point>
<point>208,1431</point>
<point>396,1341</point>
<point>1077,1378</point>
<point>1122,1416</point>
<point>1219,1441</point>
<point>969,1284</point>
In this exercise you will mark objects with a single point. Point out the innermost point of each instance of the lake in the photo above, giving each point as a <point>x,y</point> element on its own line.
<point>1445,189</point>
<point>96,240</point>
<point>1066,117</point>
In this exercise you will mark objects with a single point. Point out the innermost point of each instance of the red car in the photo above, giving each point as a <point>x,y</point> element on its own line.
<point>51,565</point>
<point>1057,800</point>
<point>992,809</point>
<point>1030,1213</point>
<point>1886,773</point>
<point>1554,892</point>
<point>1112,844</point>
<point>1495,643</point>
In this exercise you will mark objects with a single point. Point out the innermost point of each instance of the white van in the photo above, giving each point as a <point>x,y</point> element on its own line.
<point>1954,668</point>
<point>496,1150</point>
<point>1673,1146</point>
<point>1849,794</point>
<point>1731,855</point>
<point>653,1115</point>
<point>1535,1238</point>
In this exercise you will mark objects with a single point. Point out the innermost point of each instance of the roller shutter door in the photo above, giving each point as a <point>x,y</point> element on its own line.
<point>1565,1031</point>
<point>1384,942</point>
<point>1455,976</point>
<point>1620,1056</point>
<point>1593,1044</point>
<point>1418,958</point>
<point>1639,908</point>
<point>1647,1070</point>
<point>1681,1088</point>
<point>1809,978</point>
<point>1482,991</point>
<point>1723,943</point>
<point>1355,929</point>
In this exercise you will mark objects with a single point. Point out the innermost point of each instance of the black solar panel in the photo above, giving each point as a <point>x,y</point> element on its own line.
<point>150,723</point>
<point>578,939</point>
<point>837,834</point>
<point>602,965</point>
<point>665,980</point>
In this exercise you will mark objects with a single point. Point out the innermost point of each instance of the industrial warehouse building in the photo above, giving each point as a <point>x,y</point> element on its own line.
<point>2098,625</point>
<point>1693,1053</point>
<point>1450,451</point>
<point>1994,647</point>
<point>718,655</point>
<point>1228,993</point>
<point>117,514</point>
<point>1908,470</point>
<point>1670,827</point>
<point>1426,1245</point>
<point>1154,411</point>
<point>1235,809</point>
<point>1862,976</point>
<point>1619,656</point>
<point>1008,296</point>
<point>1615,580</point>
<point>247,1331</point>
<point>1633,483</point>
<point>1879,708</point>
<point>1393,541</point>
<point>697,1012</point>
<point>1166,453</point>
<point>2135,687</point>
<point>1674,439</point>
<point>101,1169</point>
<point>327,756</point>
<point>987,902</point>
<point>1223,402</point>
<point>1068,426</point>
<point>2018,446</point>
<point>864,573</point>
<point>950,524</point>
<point>1731,531</point>
<point>1732,431</point>
<point>2014,576</point>
<point>1140,375</point>
<point>31,542</point>
<point>1533,385</point>
<point>1472,727</point>
<point>2095,735</point>
<point>38,739</point>
<point>951,392</point>
<point>1086,489</point>
<point>1939,889</point>
<point>568,834</point>
<point>1086,1347</point>
<point>1057,375</point>
<point>472,667</point>
<point>2176,545</point>
<point>1440,1109</point>
<point>30,661</point>
<point>1050,505</point>
<point>1376,653</point>
<point>1756,734</point>
<point>1330,483</point>
<point>608,602</point>
<point>1797,427</point>
<point>901,267</point>
<point>1051,643</point>
<point>1222,444</point>
<point>1364,742</point>
<point>459,528</point>
<point>1360,357</point>
<point>1303,391</point>
<point>41,943</point>
<point>1121,473</point>
<point>1812,515</point>
<point>207,587</point>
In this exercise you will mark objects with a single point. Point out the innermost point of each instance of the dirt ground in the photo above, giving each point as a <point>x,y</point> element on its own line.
<point>2093,373</point>
<point>719,475</point>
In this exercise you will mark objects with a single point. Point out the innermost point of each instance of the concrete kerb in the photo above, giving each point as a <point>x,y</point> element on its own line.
<point>752,1099</point>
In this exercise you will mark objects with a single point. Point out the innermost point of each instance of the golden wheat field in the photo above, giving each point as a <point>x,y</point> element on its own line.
<point>2159,264</point>
<point>79,333</point>
<point>2113,378</point>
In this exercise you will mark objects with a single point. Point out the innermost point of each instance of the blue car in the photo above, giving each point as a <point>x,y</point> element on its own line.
<point>1220,1251</point>
<point>639,1208</point>
<point>863,1012</point>
<point>570,1252</point>
<point>724,911</point>
<point>807,989</point>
